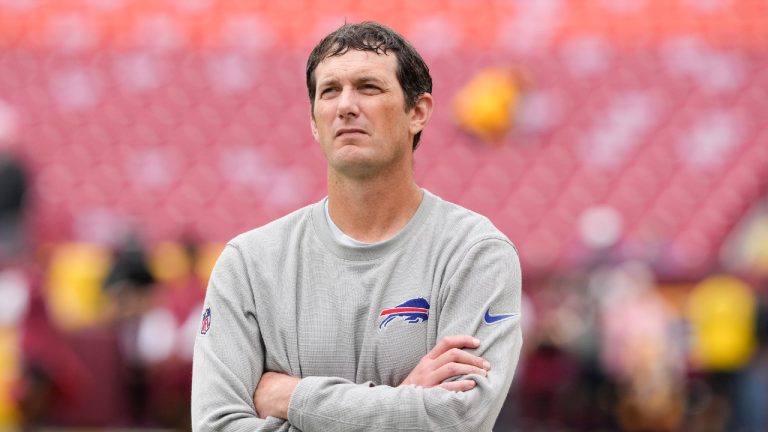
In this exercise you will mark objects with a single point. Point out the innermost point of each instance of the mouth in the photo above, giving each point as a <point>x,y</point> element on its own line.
<point>347,131</point>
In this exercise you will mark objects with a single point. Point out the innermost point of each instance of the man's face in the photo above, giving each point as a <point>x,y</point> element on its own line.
<point>359,116</point>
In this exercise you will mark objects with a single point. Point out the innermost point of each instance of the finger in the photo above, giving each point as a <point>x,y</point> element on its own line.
<point>451,370</point>
<point>456,355</point>
<point>448,342</point>
<point>458,386</point>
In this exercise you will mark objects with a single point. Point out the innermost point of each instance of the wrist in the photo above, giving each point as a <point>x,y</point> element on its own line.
<point>289,386</point>
<point>273,394</point>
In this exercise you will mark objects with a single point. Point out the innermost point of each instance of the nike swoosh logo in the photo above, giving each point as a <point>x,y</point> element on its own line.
<point>492,319</point>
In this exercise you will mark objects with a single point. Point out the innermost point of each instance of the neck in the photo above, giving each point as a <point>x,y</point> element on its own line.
<point>372,210</point>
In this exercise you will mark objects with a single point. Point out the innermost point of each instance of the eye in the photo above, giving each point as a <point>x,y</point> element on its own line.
<point>369,88</point>
<point>328,92</point>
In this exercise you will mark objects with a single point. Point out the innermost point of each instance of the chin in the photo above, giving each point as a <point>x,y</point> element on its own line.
<point>356,167</point>
<point>352,155</point>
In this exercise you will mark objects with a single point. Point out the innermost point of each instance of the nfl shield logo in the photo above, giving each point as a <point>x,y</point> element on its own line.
<point>206,321</point>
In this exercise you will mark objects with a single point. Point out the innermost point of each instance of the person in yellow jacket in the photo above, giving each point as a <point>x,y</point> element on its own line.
<point>721,312</point>
<point>489,103</point>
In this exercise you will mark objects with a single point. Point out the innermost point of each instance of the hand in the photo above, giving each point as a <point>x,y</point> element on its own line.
<point>447,359</point>
<point>273,393</point>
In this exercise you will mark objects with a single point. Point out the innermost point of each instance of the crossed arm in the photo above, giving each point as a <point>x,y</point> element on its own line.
<point>232,379</point>
<point>446,360</point>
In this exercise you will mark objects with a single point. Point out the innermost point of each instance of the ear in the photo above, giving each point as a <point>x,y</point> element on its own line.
<point>421,112</point>
<point>313,124</point>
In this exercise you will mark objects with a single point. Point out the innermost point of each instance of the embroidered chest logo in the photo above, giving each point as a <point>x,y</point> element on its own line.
<point>206,321</point>
<point>412,311</point>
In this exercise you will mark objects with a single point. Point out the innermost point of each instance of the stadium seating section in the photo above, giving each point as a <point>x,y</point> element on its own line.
<point>192,116</point>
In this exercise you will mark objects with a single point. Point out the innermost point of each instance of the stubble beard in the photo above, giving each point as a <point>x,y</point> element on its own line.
<point>362,168</point>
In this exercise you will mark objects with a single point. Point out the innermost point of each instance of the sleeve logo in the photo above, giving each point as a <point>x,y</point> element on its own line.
<point>206,321</point>
<point>412,311</point>
<point>493,319</point>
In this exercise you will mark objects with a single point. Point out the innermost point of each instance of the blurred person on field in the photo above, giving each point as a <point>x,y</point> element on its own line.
<point>548,375</point>
<point>52,376</point>
<point>750,410</point>
<point>167,331</point>
<point>14,185</point>
<point>721,310</point>
<point>381,307</point>
<point>131,284</point>
<point>640,349</point>
<point>562,382</point>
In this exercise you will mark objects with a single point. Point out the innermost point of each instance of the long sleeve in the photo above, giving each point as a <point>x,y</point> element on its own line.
<point>229,355</point>
<point>481,298</point>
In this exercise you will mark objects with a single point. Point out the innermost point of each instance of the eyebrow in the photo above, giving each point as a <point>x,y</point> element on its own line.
<point>361,80</point>
<point>326,82</point>
<point>369,78</point>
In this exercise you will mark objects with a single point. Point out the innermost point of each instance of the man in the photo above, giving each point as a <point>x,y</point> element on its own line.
<point>381,307</point>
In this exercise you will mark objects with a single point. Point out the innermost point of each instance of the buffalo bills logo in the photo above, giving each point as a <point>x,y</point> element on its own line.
<point>413,311</point>
<point>206,321</point>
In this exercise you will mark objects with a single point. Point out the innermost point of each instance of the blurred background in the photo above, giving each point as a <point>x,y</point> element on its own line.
<point>621,144</point>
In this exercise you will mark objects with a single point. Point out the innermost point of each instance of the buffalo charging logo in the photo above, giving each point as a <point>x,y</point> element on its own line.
<point>412,311</point>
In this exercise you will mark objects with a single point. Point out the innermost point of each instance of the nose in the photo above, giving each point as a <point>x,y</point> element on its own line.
<point>348,104</point>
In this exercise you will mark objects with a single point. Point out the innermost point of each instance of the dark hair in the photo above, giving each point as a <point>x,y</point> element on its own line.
<point>412,72</point>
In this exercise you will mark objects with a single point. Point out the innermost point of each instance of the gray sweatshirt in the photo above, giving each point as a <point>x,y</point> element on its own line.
<point>353,322</point>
